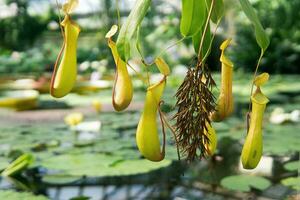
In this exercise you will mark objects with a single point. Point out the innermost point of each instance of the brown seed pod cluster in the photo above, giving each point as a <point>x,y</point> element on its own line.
<point>195,102</point>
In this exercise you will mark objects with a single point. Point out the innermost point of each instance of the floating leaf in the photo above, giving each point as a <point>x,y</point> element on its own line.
<point>19,99</point>
<point>3,163</point>
<point>59,179</point>
<point>80,198</point>
<point>292,166</point>
<point>12,195</point>
<point>293,182</point>
<point>244,183</point>
<point>260,34</point>
<point>98,165</point>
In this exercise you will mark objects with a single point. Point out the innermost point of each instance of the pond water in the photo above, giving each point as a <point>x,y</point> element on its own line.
<point>103,163</point>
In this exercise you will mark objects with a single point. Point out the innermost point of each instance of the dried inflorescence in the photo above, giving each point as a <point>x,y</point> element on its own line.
<point>195,102</point>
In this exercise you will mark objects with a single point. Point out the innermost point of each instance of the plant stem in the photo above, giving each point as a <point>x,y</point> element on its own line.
<point>139,75</point>
<point>204,33</point>
<point>252,86</point>
<point>172,45</point>
<point>59,19</point>
<point>164,118</point>
<point>256,70</point>
<point>211,41</point>
<point>163,51</point>
<point>118,14</point>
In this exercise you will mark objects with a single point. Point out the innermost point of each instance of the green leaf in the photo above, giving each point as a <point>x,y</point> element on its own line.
<point>17,166</point>
<point>244,183</point>
<point>99,165</point>
<point>206,43</point>
<point>80,198</point>
<point>3,163</point>
<point>218,10</point>
<point>260,34</point>
<point>192,17</point>
<point>292,166</point>
<point>129,28</point>
<point>59,179</point>
<point>12,195</point>
<point>293,182</point>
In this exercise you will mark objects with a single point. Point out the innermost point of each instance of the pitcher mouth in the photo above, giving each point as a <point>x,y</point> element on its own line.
<point>260,98</point>
<point>156,84</point>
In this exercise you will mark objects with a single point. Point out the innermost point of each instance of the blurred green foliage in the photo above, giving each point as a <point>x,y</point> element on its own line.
<point>35,60</point>
<point>281,20</point>
<point>20,31</point>
<point>159,30</point>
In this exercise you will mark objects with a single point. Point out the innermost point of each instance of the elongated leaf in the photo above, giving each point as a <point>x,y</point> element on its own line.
<point>18,165</point>
<point>218,10</point>
<point>192,17</point>
<point>128,29</point>
<point>260,34</point>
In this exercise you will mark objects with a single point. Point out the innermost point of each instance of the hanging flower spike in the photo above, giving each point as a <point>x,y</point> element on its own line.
<point>64,76</point>
<point>147,133</point>
<point>224,106</point>
<point>253,146</point>
<point>122,90</point>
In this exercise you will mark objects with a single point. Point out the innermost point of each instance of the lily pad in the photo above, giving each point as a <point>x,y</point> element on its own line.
<point>19,100</point>
<point>293,182</point>
<point>98,165</point>
<point>59,179</point>
<point>292,166</point>
<point>78,161</point>
<point>244,183</point>
<point>12,195</point>
<point>3,163</point>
